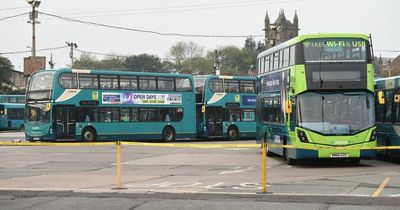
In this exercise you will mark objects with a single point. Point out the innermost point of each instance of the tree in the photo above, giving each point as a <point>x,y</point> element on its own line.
<point>5,73</point>
<point>87,61</point>
<point>144,63</point>
<point>249,43</point>
<point>198,66</point>
<point>182,52</point>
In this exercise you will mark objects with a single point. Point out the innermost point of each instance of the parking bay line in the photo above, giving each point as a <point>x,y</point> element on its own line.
<point>381,187</point>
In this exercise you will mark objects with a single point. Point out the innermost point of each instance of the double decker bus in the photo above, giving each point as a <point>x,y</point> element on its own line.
<point>388,115</point>
<point>12,109</point>
<point>317,95</point>
<point>94,105</point>
<point>225,106</point>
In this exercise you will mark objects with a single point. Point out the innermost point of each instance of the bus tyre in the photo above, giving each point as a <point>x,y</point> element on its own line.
<point>22,127</point>
<point>88,135</point>
<point>168,134</point>
<point>233,133</point>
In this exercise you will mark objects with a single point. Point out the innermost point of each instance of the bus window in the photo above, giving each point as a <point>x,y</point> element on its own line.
<point>125,115</point>
<point>388,104</point>
<point>148,114</point>
<point>248,115</point>
<point>88,81</point>
<point>233,115</point>
<point>183,84</point>
<point>109,115</point>
<point>21,100</point>
<point>166,84</point>
<point>231,86</point>
<point>134,114</point>
<point>276,61</point>
<point>267,66</point>
<point>13,100</point>
<point>285,62</point>
<point>108,82</point>
<point>292,55</point>
<point>88,114</point>
<point>68,81</point>
<point>15,114</point>
<point>216,85</point>
<point>147,83</point>
<point>247,86</point>
<point>128,83</point>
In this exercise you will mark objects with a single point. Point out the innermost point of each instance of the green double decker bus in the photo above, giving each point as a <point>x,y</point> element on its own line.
<point>225,106</point>
<point>12,109</point>
<point>317,96</point>
<point>388,115</point>
<point>94,105</point>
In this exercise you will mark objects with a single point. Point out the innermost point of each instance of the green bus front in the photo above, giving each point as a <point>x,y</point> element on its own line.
<point>11,116</point>
<point>317,96</point>
<point>90,105</point>
<point>225,106</point>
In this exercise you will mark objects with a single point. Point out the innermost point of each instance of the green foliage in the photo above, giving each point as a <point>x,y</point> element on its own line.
<point>5,73</point>
<point>198,66</point>
<point>183,53</point>
<point>87,61</point>
<point>144,63</point>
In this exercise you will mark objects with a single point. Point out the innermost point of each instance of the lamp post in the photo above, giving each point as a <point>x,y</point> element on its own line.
<point>32,16</point>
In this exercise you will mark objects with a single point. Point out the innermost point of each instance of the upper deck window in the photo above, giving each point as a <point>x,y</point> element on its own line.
<point>88,81</point>
<point>183,84</point>
<point>41,81</point>
<point>69,81</point>
<point>335,50</point>
<point>216,85</point>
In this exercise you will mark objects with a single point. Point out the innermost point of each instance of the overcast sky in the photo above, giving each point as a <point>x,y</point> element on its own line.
<point>208,17</point>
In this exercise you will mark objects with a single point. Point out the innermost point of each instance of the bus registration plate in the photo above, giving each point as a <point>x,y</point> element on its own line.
<point>339,155</point>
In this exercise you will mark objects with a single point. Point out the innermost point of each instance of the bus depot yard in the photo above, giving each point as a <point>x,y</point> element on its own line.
<point>182,170</point>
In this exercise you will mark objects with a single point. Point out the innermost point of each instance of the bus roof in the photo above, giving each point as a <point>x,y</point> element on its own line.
<point>302,37</point>
<point>120,72</point>
<point>211,76</point>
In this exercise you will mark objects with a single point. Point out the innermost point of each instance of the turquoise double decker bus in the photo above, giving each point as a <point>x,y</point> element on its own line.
<point>317,96</point>
<point>94,105</point>
<point>388,115</point>
<point>12,112</point>
<point>225,106</point>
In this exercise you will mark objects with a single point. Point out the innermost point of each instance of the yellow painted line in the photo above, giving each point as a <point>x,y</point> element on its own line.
<point>381,187</point>
<point>2,143</point>
<point>194,145</point>
<point>201,146</point>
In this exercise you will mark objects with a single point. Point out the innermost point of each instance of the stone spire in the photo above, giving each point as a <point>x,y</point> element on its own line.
<point>296,19</point>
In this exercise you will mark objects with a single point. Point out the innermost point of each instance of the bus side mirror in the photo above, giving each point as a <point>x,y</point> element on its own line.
<point>288,106</point>
<point>397,98</point>
<point>381,97</point>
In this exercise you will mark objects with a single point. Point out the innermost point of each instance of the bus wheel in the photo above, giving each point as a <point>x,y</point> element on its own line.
<point>89,135</point>
<point>233,133</point>
<point>168,134</point>
<point>22,127</point>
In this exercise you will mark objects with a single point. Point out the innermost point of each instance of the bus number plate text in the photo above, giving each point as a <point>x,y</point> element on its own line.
<point>339,155</point>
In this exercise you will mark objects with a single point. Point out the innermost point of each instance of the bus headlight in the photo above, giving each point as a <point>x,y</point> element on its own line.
<point>302,136</point>
<point>373,136</point>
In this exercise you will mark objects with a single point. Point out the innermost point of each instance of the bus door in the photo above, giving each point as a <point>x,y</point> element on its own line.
<point>65,118</point>
<point>215,118</point>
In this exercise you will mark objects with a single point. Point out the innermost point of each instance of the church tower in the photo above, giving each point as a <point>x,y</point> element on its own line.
<point>280,31</point>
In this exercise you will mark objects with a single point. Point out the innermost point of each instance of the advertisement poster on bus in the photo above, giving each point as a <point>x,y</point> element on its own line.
<point>141,98</point>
